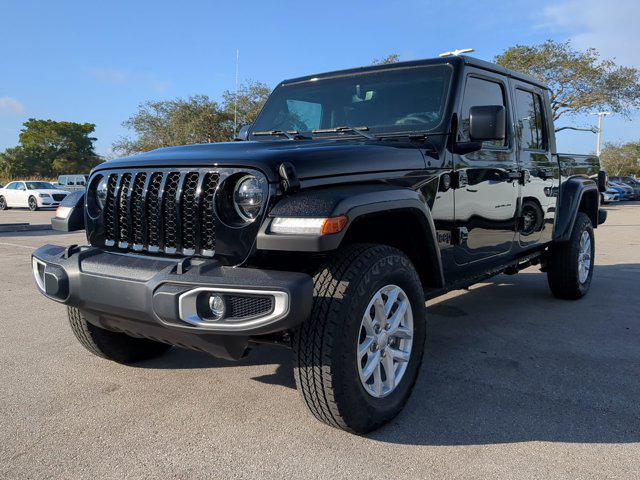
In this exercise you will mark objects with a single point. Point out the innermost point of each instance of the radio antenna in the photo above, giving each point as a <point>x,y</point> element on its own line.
<point>235,97</point>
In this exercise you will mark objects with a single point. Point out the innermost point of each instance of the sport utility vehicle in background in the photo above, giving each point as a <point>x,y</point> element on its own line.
<point>355,196</point>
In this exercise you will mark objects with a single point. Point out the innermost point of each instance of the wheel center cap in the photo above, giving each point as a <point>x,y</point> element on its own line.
<point>383,339</point>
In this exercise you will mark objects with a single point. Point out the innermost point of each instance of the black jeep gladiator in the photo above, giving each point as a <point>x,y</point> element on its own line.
<point>354,197</point>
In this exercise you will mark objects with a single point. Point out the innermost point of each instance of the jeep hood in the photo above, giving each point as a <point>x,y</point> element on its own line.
<point>311,158</point>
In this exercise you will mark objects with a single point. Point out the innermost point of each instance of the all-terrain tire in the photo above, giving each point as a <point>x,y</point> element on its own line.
<point>325,346</point>
<point>115,346</point>
<point>564,262</point>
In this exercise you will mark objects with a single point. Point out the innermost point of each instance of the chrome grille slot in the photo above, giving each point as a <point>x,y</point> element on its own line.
<point>152,209</point>
<point>110,210</point>
<point>137,209</point>
<point>161,211</point>
<point>123,210</point>
<point>207,220</point>
<point>170,213</point>
<point>189,212</point>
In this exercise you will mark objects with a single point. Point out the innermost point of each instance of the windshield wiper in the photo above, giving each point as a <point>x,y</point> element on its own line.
<point>362,131</point>
<point>292,135</point>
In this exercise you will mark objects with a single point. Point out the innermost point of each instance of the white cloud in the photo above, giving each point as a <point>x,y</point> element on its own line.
<point>115,76</point>
<point>611,27</point>
<point>10,106</point>
<point>109,75</point>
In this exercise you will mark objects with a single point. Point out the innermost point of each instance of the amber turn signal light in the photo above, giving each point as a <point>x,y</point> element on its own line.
<point>333,225</point>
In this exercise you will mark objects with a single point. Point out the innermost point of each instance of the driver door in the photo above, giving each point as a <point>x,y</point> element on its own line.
<point>486,199</point>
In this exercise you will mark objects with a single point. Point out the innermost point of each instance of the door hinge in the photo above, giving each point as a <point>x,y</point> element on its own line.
<point>459,179</point>
<point>459,236</point>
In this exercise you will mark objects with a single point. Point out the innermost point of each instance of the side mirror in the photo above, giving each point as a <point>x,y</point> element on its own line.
<point>487,122</point>
<point>243,133</point>
<point>602,181</point>
<point>70,214</point>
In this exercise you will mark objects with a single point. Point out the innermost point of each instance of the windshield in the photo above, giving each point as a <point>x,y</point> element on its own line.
<point>39,186</point>
<point>386,101</point>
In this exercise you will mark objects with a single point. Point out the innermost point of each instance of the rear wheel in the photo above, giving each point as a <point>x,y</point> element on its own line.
<point>570,266</point>
<point>33,204</point>
<point>3,204</point>
<point>115,346</point>
<point>359,353</point>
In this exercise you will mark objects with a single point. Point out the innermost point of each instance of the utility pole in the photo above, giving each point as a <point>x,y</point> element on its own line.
<point>235,97</point>
<point>600,115</point>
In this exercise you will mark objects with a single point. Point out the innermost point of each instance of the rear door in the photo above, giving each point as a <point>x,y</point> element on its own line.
<point>486,200</point>
<point>540,179</point>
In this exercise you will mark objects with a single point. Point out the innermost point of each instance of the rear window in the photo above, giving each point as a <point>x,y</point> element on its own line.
<point>529,120</point>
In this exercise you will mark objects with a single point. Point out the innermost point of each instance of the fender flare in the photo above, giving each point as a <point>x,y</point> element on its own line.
<point>571,193</point>
<point>354,201</point>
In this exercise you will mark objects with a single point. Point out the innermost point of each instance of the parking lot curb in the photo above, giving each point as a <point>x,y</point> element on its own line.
<point>22,227</point>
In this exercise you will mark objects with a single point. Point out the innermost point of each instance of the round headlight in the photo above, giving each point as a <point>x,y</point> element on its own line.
<point>248,198</point>
<point>101,192</point>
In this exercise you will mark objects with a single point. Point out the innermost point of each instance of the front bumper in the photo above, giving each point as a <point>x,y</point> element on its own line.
<point>160,298</point>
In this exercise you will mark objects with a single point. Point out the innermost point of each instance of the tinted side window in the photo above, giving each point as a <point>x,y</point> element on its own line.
<point>11,186</point>
<point>529,120</point>
<point>480,92</point>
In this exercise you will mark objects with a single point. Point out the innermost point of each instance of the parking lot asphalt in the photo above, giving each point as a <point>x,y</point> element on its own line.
<point>22,215</point>
<point>515,384</point>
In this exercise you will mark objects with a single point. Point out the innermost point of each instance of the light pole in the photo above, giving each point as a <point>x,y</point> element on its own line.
<point>600,115</point>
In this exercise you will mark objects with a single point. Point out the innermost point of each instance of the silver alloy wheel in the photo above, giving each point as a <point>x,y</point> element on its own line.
<point>384,340</point>
<point>33,203</point>
<point>584,257</point>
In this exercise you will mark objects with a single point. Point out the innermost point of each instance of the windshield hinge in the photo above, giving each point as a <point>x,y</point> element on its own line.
<point>288,178</point>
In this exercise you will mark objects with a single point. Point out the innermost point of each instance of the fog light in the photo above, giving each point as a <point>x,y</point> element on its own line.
<point>217,307</point>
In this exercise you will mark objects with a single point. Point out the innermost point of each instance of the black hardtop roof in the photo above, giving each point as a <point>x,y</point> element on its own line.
<point>452,60</point>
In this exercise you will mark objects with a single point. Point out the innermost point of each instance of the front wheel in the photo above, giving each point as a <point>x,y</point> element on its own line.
<point>3,204</point>
<point>33,204</point>
<point>358,355</point>
<point>115,346</point>
<point>570,265</point>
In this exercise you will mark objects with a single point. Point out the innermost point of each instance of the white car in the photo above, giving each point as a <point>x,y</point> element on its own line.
<point>30,194</point>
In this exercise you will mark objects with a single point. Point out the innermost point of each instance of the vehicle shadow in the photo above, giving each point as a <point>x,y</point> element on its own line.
<point>507,362</point>
<point>179,358</point>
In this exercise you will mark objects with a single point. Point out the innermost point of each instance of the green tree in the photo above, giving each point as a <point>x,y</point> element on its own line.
<point>391,58</point>
<point>48,148</point>
<point>579,81</point>
<point>621,158</point>
<point>157,124</point>
<point>248,101</point>
<point>197,119</point>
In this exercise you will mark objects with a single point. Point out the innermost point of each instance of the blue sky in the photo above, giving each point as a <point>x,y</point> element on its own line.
<point>96,61</point>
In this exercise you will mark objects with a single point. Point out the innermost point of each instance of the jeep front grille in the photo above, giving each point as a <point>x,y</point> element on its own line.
<point>161,211</point>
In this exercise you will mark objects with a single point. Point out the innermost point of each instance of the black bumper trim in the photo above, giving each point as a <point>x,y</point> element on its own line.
<point>138,293</point>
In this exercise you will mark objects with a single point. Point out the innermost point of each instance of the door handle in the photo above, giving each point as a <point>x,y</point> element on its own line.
<point>522,176</point>
<point>514,174</point>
